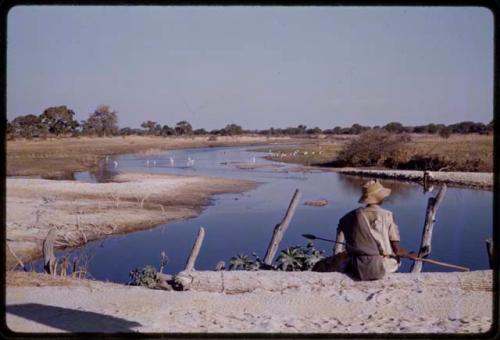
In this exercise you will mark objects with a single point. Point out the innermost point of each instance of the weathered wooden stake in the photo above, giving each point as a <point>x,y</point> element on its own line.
<point>49,259</point>
<point>280,229</point>
<point>17,258</point>
<point>430,219</point>
<point>221,265</point>
<point>196,249</point>
<point>73,272</point>
<point>64,267</point>
<point>491,252</point>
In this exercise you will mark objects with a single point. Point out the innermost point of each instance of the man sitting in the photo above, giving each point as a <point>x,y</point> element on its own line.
<point>368,238</point>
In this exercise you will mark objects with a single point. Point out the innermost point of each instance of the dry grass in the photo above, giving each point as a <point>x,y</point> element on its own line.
<point>456,153</point>
<point>21,279</point>
<point>310,152</point>
<point>58,157</point>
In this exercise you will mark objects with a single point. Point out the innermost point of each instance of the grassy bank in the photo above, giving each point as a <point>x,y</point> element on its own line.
<point>456,153</point>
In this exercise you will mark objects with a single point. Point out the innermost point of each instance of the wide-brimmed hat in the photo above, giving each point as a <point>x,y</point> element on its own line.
<point>373,192</point>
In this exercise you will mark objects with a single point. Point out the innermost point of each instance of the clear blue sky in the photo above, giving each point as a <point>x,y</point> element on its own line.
<point>254,66</point>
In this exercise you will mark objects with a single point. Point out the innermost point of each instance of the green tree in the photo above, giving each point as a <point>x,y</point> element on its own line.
<point>200,132</point>
<point>150,126</point>
<point>314,131</point>
<point>183,128</point>
<point>28,126</point>
<point>394,127</point>
<point>59,120</point>
<point>445,132</point>
<point>103,122</point>
<point>232,130</point>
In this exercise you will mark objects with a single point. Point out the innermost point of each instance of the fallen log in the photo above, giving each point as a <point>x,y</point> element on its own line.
<point>236,282</point>
<point>280,229</point>
<point>430,219</point>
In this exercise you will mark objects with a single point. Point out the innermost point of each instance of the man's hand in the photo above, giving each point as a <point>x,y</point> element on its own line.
<point>412,255</point>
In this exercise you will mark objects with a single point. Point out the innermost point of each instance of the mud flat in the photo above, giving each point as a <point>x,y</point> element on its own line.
<point>82,212</point>
<point>279,302</point>
<point>479,180</point>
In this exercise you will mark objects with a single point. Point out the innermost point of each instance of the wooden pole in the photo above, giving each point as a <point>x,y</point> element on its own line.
<point>196,249</point>
<point>430,219</point>
<point>17,258</point>
<point>280,229</point>
<point>64,267</point>
<point>49,259</point>
<point>490,249</point>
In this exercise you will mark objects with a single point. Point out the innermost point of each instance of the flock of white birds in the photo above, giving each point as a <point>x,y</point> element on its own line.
<point>190,161</point>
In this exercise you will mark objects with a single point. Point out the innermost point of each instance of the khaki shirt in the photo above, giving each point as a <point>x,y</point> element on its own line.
<point>383,229</point>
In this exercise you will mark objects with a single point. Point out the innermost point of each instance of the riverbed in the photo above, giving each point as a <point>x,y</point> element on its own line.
<point>243,223</point>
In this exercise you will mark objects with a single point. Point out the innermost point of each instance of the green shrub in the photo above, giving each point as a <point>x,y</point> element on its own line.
<point>296,258</point>
<point>375,148</point>
<point>145,277</point>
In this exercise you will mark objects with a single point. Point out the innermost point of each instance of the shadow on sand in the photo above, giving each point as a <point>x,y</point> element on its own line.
<point>71,320</point>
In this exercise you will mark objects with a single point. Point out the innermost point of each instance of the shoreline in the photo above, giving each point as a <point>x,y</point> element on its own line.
<point>472,180</point>
<point>83,212</point>
<point>292,302</point>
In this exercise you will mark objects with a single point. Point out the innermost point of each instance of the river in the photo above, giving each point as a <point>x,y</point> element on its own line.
<point>243,223</point>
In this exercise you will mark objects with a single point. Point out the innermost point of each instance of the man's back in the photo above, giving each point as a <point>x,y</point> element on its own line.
<point>369,229</point>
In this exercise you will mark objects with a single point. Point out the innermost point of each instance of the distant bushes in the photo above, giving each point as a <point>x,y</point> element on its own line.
<point>375,148</point>
<point>395,151</point>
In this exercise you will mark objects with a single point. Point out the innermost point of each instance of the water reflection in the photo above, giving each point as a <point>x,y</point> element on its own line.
<point>399,190</point>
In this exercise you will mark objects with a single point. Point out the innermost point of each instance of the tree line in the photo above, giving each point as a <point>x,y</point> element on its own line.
<point>61,121</point>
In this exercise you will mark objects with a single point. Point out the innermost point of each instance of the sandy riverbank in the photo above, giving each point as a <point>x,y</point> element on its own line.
<point>479,180</point>
<point>305,302</point>
<point>82,212</point>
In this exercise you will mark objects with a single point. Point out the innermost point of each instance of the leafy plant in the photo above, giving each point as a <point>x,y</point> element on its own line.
<point>291,259</point>
<point>296,258</point>
<point>145,277</point>
<point>239,262</point>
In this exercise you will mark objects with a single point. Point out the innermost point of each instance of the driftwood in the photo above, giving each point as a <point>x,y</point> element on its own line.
<point>241,281</point>
<point>196,249</point>
<point>491,252</point>
<point>430,219</point>
<point>64,267</point>
<point>221,265</point>
<point>280,229</point>
<point>49,259</point>
<point>17,258</point>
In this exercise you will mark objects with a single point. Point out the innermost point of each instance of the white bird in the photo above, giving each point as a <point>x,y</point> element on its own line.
<point>305,152</point>
<point>147,163</point>
<point>115,163</point>
<point>171,161</point>
<point>190,162</point>
<point>253,159</point>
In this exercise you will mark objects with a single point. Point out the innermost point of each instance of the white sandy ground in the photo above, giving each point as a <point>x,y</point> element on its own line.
<point>87,211</point>
<point>321,303</point>
<point>482,180</point>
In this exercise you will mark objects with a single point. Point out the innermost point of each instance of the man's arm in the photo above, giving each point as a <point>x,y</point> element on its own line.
<point>401,252</point>
<point>339,248</point>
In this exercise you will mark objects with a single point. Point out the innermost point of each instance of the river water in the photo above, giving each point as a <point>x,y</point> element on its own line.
<point>243,223</point>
